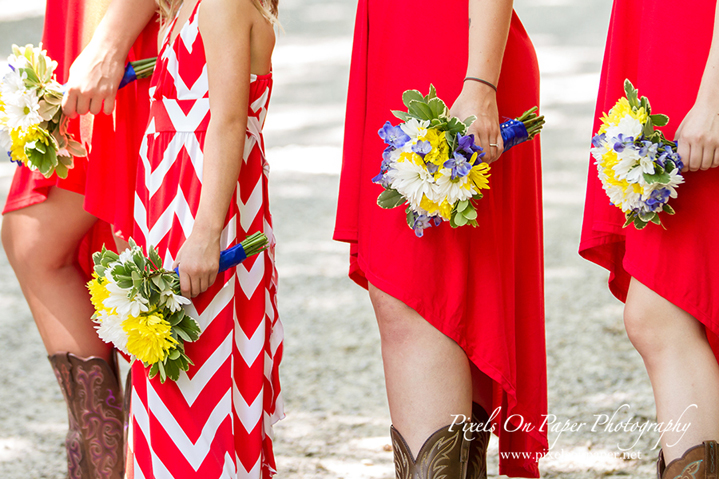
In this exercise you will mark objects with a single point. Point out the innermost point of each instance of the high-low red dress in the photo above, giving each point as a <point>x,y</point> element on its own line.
<point>482,287</point>
<point>676,262</point>
<point>107,176</point>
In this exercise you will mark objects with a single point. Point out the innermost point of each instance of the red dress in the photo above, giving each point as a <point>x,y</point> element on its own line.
<point>106,177</point>
<point>216,420</point>
<point>674,262</point>
<point>482,287</point>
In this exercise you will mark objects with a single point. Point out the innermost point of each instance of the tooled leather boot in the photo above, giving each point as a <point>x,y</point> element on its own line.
<point>93,395</point>
<point>699,462</point>
<point>442,456</point>
<point>477,463</point>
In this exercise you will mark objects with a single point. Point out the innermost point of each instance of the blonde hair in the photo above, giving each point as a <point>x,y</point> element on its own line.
<point>268,8</point>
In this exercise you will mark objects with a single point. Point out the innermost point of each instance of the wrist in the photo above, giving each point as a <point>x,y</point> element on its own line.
<point>207,231</point>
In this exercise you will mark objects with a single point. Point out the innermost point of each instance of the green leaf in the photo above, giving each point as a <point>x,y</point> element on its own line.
<point>632,94</point>
<point>438,108</point>
<point>646,216</point>
<point>172,370</point>
<point>629,219</point>
<point>462,205</point>
<point>390,198</point>
<point>661,177</point>
<point>155,258</point>
<point>404,116</point>
<point>668,209</point>
<point>460,220</point>
<point>470,213</point>
<point>182,334</point>
<point>639,224</point>
<point>61,170</point>
<point>410,217</point>
<point>158,281</point>
<point>174,354</point>
<point>411,95</point>
<point>153,370</point>
<point>76,149</point>
<point>432,92</point>
<point>659,119</point>
<point>163,373</point>
<point>645,104</point>
<point>469,120</point>
<point>648,128</point>
<point>420,109</point>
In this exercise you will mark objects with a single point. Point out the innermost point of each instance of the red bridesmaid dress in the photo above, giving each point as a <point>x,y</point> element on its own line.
<point>482,287</point>
<point>107,176</point>
<point>216,420</point>
<point>677,262</point>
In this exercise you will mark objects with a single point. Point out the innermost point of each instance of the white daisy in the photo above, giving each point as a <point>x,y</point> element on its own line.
<point>627,126</point>
<point>22,111</point>
<point>415,128</point>
<point>13,83</point>
<point>411,181</point>
<point>452,190</point>
<point>173,301</point>
<point>109,328</point>
<point>120,301</point>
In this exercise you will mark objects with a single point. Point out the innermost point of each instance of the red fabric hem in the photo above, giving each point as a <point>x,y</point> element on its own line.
<point>524,468</point>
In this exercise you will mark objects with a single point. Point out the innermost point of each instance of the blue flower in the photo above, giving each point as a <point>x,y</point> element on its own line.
<point>598,140</point>
<point>459,165</point>
<point>622,142</point>
<point>431,167</point>
<point>467,148</point>
<point>658,198</point>
<point>420,223</point>
<point>422,148</point>
<point>393,135</point>
<point>649,149</point>
<point>668,154</point>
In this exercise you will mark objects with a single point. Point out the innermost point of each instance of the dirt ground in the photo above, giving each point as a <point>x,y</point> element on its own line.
<point>337,419</point>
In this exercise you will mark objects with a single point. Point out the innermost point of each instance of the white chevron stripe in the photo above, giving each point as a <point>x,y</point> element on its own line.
<point>253,473</point>
<point>276,337</point>
<point>191,388</point>
<point>195,453</point>
<point>250,280</point>
<point>248,211</point>
<point>250,347</point>
<point>179,208</point>
<point>189,32</point>
<point>191,121</point>
<point>249,414</point>
<point>154,179</point>
<point>140,215</point>
<point>229,470</point>
<point>218,303</point>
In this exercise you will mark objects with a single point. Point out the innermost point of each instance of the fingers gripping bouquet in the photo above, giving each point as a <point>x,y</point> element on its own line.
<point>33,129</point>
<point>139,308</point>
<point>434,167</point>
<point>638,167</point>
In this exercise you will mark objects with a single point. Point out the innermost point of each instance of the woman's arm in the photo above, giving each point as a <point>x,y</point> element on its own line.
<point>97,71</point>
<point>225,27</point>
<point>698,135</point>
<point>488,30</point>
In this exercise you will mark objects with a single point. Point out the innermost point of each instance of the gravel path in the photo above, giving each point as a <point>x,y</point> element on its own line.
<point>337,419</point>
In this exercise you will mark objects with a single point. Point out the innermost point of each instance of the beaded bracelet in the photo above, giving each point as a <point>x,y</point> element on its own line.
<point>482,81</point>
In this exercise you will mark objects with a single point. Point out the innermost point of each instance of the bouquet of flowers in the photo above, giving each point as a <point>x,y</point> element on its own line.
<point>33,129</point>
<point>139,308</point>
<point>434,167</point>
<point>638,167</point>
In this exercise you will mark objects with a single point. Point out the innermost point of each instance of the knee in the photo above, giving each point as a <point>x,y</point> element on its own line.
<point>397,322</point>
<point>32,252</point>
<point>651,333</point>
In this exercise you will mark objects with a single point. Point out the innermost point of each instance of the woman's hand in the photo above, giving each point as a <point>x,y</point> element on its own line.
<point>480,100</point>
<point>698,136</point>
<point>197,262</point>
<point>94,77</point>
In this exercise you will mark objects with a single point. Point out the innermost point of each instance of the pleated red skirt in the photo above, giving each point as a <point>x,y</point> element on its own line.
<point>107,176</point>
<point>677,262</point>
<point>482,287</point>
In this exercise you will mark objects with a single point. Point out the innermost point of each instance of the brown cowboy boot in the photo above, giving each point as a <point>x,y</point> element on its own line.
<point>477,464</point>
<point>94,404</point>
<point>699,462</point>
<point>442,456</point>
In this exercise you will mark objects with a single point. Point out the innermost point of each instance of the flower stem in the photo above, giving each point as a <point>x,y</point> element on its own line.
<point>255,243</point>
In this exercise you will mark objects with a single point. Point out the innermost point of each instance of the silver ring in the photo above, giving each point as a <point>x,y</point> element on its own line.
<point>493,145</point>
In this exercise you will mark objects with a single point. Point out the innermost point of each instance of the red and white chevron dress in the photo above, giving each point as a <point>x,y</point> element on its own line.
<point>216,421</point>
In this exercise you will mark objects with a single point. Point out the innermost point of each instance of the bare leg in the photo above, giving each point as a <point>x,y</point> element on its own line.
<point>40,242</point>
<point>427,374</point>
<point>681,367</point>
